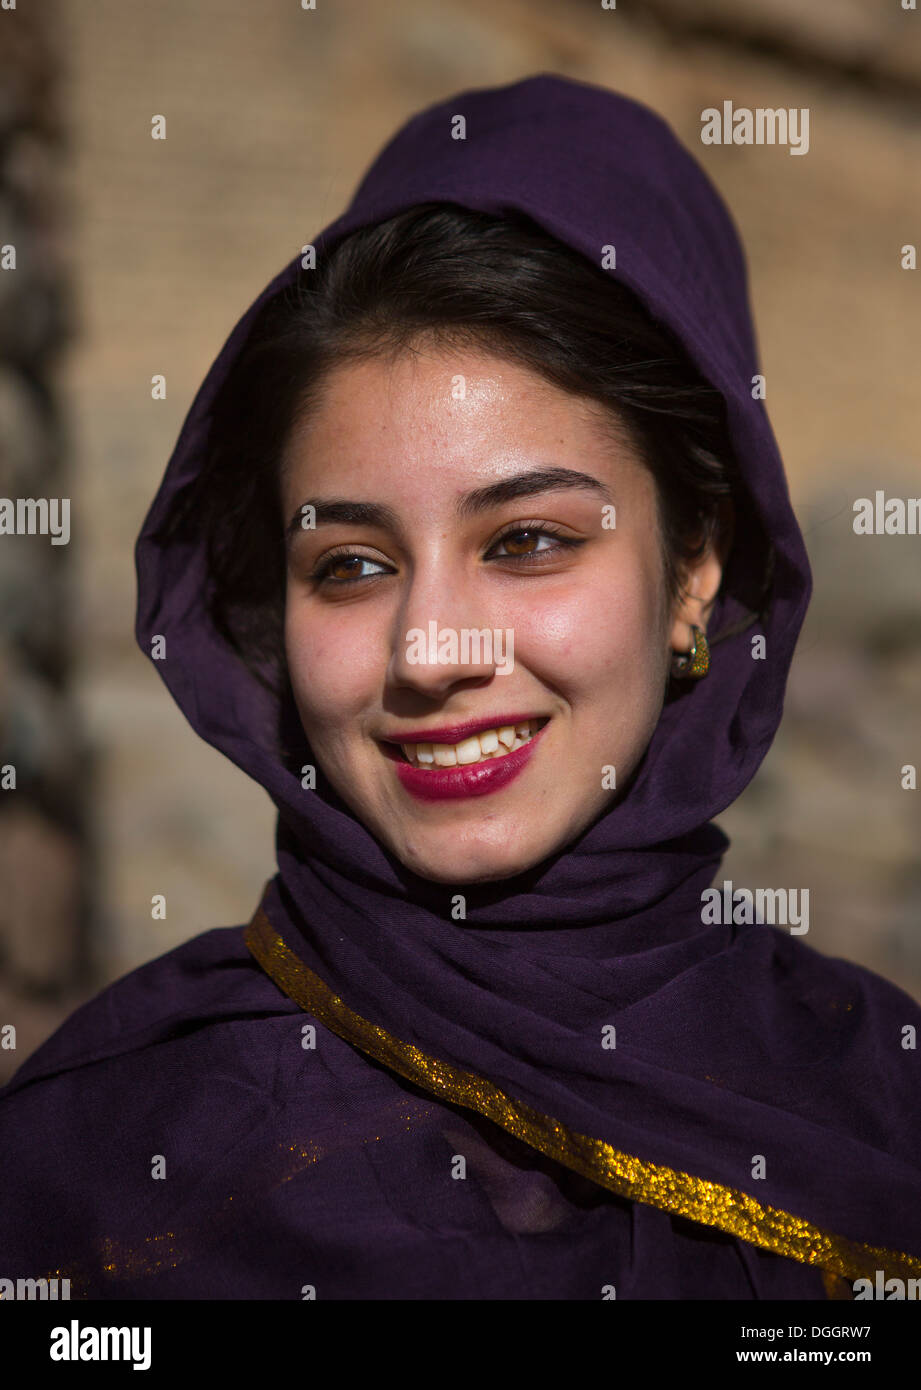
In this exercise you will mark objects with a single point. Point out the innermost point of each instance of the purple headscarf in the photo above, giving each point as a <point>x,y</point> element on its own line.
<point>756,1089</point>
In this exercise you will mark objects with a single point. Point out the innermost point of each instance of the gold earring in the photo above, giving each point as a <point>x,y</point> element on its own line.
<point>695,663</point>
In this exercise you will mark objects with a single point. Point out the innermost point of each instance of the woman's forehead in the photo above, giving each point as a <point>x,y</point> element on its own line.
<point>450,413</point>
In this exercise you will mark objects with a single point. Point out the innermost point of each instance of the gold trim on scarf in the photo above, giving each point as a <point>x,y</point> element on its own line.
<point>710,1203</point>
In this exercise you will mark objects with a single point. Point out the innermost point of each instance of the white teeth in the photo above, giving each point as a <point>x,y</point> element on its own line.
<point>469,751</point>
<point>478,748</point>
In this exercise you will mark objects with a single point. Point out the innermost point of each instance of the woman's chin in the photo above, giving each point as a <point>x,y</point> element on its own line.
<point>457,864</point>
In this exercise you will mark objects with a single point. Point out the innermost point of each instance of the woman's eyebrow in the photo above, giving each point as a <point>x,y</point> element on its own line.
<point>526,485</point>
<point>342,510</point>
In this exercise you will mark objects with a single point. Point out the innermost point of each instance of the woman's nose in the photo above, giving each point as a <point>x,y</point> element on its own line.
<point>443,633</point>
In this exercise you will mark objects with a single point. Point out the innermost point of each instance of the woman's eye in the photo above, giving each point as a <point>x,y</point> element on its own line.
<point>528,536</point>
<point>521,544</point>
<point>324,572</point>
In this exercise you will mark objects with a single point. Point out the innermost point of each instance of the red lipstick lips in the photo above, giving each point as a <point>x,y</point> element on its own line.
<point>473,779</point>
<point>456,732</point>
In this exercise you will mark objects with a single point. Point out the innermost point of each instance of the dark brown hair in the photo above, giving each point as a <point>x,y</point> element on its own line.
<point>500,283</point>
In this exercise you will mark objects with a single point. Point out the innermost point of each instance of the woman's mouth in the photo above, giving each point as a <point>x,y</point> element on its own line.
<point>474,766</point>
<point>490,743</point>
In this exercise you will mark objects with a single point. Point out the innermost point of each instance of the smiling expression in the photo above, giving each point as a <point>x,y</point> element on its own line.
<point>421,441</point>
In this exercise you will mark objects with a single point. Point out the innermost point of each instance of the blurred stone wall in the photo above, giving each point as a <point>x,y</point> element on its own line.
<point>45,762</point>
<point>274,113</point>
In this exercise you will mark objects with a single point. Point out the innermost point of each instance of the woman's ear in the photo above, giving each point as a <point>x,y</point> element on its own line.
<point>700,582</point>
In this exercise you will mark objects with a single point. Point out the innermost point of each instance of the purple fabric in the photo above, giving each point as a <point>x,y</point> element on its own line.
<point>732,1040</point>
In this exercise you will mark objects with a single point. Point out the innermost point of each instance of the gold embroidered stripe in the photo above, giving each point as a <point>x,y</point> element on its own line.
<point>710,1203</point>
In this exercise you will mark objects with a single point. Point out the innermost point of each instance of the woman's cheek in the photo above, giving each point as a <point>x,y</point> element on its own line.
<point>333,666</point>
<point>561,628</point>
<point>314,662</point>
<point>597,631</point>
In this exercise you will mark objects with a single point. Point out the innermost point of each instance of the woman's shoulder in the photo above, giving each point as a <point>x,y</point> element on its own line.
<point>851,987</point>
<point>211,978</point>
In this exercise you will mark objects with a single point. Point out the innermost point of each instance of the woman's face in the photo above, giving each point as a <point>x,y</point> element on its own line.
<point>436,612</point>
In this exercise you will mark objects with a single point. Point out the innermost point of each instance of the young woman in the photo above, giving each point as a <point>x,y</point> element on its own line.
<point>476,552</point>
